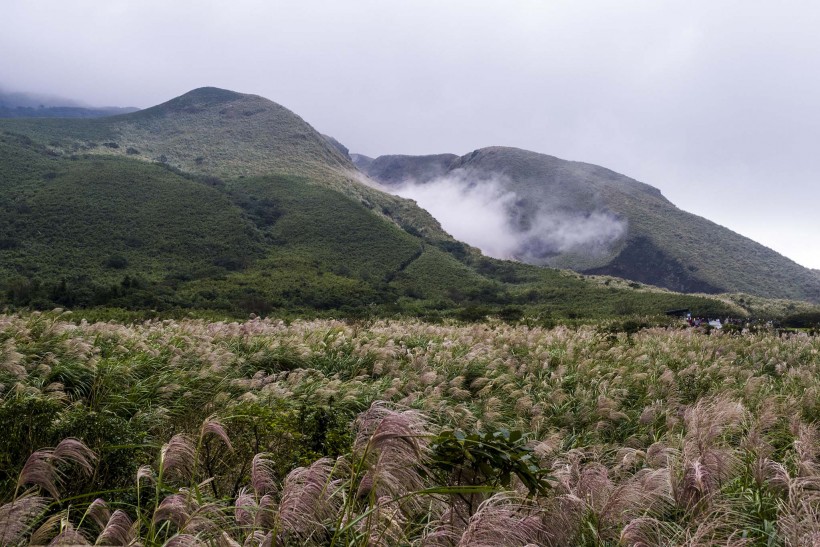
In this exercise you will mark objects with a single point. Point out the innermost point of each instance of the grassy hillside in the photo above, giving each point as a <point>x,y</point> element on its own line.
<point>273,221</point>
<point>223,134</point>
<point>661,245</point>
<point>105,217</point>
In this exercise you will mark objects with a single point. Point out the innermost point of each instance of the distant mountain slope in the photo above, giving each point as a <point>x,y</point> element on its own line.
<point>397,169</point>
<point>61,112</point>
<point>25,105</point>
<point>361,161</point>
<point>227,201</point>
<point>650,241</point>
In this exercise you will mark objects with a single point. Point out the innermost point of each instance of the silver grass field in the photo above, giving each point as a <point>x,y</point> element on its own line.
<point>343,433</point>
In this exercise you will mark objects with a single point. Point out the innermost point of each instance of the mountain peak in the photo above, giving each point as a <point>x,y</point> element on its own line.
<point>195,101</point>
<point>212,94</point>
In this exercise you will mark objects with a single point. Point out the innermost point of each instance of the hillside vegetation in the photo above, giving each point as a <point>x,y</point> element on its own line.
<point>661,245</point>
<point>223,134</point>
<point>229,202</point>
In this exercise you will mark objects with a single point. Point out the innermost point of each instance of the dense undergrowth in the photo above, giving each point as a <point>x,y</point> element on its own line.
<point>401,432</point>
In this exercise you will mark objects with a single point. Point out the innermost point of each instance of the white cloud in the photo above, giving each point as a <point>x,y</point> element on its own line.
<point>479,211</point>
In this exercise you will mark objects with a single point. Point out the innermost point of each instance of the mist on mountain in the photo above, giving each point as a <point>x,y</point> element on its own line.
<point>482,211</point>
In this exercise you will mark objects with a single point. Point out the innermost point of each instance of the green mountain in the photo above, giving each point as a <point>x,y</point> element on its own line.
<point>610,224</point>
<point>225,201</point>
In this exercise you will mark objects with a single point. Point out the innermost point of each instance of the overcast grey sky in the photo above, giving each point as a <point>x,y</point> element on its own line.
<point>715,102</point>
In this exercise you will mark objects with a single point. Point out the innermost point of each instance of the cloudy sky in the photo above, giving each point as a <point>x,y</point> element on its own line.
<point>717,103</point>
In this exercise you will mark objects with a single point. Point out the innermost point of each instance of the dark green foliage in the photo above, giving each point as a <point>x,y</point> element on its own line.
<point>511,314</point>
<point>802,320</point>
<point>86,225</point>
<point>296,433</point>
<point>488,458</point>
<point>27,426</point>
<point>117,262</point>
<point>473,313</point>
<point>456,248</point>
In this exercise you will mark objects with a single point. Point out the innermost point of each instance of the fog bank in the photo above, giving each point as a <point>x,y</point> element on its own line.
<point>483,213</point>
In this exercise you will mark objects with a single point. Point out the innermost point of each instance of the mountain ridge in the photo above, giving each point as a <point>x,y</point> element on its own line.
<point>662,245</point>
<point>116,212</point>
<point>27,105</point>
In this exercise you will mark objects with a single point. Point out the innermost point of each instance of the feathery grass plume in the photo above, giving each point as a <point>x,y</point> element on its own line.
<point>594,485</point>
<point>309,500</point>
<point>19,515</point>
<point>14,369</point>
<point>807,449</point>
<point>181,509</point>
<point>207,520</point>
<point>42,467</point>
<point>183,540</point>
<point>75,451</point>
<point>547,448</point>
<point>145,472</point>
<point>98,512</point>
<point>710,418</point>
<point>263,477</point>
<point>47,530</point>
<point>176,508</point>
<point>501,520</point>
<point>441,533</point>
<point>380,425</point>
<point>705,466</point>
<point>798,511</point>
<point>385,524</point>
<point>648,492</point>
<point>178,458</point>
<point>799,522</point>
<point>265,517</point>
<point>56,391</point>
<point>627,461</point>
<point>647,532</point>
<point>563,517</point>
<point>257,538</point>
<point>701,479</point>
<point>212,426</point>
<point>720,525</point>
<point>393,445</point>
<point>245,508</point>
<point>119,530</point>
<point>69,536</point>
<point>658,455</point>
<point>777,477</point>
<point>225,540</point>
